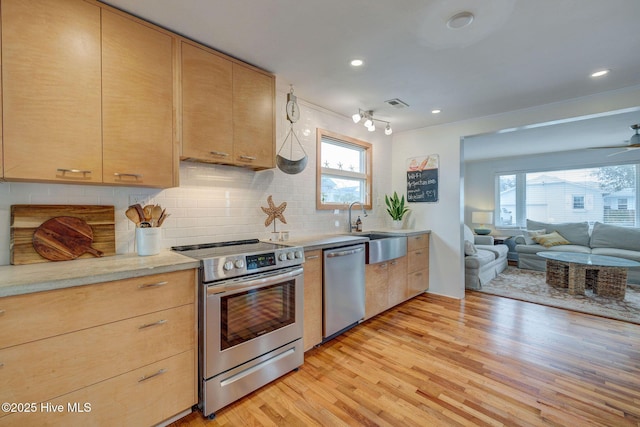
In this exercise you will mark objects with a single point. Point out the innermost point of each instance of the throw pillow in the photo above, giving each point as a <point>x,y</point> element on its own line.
<point>469,248</point>
<point>551,239</point>
<point>528,238</point>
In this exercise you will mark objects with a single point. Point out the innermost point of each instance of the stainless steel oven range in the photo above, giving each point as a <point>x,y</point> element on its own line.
<point>250,322</point>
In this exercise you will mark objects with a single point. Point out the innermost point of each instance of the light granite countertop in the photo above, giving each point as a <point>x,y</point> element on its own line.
<point>326,241</point>
<point>46,276</point>
<point>24,279</point>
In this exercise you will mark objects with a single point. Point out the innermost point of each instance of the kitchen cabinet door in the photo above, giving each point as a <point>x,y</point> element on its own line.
<point>253,118</point>
<point>418,264</point>
<point>376,289</point>
<point>51,91</point>
<point>137,87</point>
<point>397,281</point>
<point>312,299</point>
<point>207,104</point>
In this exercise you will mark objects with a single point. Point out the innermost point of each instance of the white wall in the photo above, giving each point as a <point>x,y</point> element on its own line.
<point>218,203</point>
<point>445,218</point>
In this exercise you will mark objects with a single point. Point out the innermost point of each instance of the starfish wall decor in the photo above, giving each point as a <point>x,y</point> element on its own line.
<point>274,212</point>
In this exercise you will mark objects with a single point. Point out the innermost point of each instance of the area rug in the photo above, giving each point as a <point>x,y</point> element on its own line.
<point>529,285</point>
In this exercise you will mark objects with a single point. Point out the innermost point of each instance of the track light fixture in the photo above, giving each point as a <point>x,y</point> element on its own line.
<point>369,121</point>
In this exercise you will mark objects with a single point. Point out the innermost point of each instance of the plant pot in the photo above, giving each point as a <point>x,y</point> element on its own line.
<point>396,224</point>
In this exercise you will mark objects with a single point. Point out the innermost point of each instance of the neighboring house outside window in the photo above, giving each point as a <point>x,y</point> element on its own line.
<point>575,195</point>
<point>343,173</point>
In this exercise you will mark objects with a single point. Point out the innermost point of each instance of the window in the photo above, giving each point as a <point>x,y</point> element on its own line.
<point>606,194</point>
<point>507,203</point>
<point>622,204</point>
<point>343,171</point>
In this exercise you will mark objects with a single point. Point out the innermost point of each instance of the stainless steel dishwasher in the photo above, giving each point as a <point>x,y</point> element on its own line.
<point>343,285</point>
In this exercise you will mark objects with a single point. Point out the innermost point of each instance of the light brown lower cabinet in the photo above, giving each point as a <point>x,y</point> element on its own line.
<point>385,285</point>
<point>312,299</point>
<point>417,264</point>
<point>397,281</point>
<point>129,360</point>
<point>392,282</point>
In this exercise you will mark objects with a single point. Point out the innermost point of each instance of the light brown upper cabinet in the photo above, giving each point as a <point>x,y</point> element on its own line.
<point>207,102</point>
<point>253,118</point>
<point>137,103</point>
<point>51,91</point>
<point>228,112</point>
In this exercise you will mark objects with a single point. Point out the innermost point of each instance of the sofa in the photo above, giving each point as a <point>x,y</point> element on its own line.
<point>604,239</point>
<point>483,260</point>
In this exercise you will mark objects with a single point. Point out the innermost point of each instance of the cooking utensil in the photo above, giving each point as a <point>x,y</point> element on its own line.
<point>64,238</point>
<point>163,216</point>
<point>156,212</point>
<point>140,211</point>
<point>132,214</point>
<point>148,211</point>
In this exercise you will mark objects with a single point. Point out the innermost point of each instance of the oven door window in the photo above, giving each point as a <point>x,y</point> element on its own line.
<point>247,315</point>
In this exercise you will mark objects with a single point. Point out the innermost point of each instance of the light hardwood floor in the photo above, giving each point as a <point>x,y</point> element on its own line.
<point>433,361</point>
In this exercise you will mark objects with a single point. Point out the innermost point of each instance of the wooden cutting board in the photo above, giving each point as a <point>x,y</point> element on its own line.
<point>25,220</point>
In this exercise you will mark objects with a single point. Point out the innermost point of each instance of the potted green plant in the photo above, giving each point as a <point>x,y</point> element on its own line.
<point>396,208</point>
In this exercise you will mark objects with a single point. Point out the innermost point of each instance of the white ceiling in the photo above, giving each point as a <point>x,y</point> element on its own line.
<point>516,54</point>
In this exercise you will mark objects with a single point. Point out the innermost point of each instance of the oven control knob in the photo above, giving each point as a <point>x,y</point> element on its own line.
<point>298,254</point>
<point>290,255</point>
<point>282,256</point>
<point>239,263</point>
<point>228,266</point>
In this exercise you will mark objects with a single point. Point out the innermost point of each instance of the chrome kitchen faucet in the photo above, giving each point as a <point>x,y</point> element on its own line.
<point>352,226</point>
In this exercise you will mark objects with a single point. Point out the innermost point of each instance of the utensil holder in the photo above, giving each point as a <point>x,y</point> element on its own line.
<point>148,241</point>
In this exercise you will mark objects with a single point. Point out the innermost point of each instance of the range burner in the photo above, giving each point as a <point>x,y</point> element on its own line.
<point>224,260</point>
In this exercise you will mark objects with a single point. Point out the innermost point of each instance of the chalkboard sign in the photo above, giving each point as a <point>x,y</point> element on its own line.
<point>422,179</point>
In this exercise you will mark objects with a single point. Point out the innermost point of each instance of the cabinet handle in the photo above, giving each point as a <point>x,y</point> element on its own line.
<point>133,175</point>
<point>418,252</point>
<point>312,257</point>
<point>219,153</point>
<point>82,171</point>
<point>148,325</point>
<point>248,158</point>
<point>148,377</point>
<point>1,312</point>
<point>152,285</point>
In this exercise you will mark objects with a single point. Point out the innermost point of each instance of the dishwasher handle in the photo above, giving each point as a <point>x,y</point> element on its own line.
<point>345,252</point>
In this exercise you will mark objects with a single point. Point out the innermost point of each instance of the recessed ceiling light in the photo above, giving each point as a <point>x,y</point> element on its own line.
<point>460,20</point>
<point>600,73</point>
<point>436,111</point>
<point>357,62</point>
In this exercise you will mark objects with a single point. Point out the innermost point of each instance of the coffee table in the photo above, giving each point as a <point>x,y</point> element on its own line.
<point>607,275</point>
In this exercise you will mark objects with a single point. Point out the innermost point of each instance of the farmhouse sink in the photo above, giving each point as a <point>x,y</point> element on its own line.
<point>383,247</point>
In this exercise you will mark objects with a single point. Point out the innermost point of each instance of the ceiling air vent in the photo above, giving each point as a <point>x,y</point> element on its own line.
<point>396,103</point>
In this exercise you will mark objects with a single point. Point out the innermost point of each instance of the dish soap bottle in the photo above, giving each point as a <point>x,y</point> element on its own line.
<point>358,224</point>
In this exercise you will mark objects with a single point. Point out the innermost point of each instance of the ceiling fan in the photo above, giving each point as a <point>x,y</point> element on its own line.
<point>632,144</point>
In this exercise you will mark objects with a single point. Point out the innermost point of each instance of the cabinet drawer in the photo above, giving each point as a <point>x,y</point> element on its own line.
<point>418,282</point>
<point>418,260</point>
<point>43,369</point>
<point>420,241</point>
<point>142,397</point>
<point>30,317</point>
